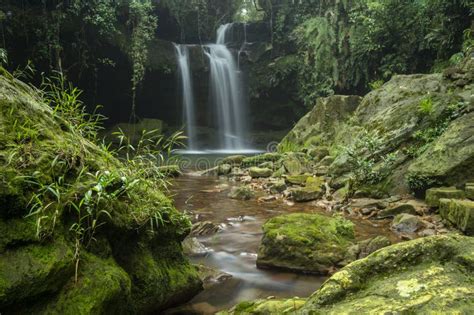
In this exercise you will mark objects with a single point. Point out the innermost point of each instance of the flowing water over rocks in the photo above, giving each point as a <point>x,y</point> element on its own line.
<point>233,249</point>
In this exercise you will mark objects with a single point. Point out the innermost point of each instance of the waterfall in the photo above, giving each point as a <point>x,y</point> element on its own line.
<point>182,56</point>
<point>226,92</point>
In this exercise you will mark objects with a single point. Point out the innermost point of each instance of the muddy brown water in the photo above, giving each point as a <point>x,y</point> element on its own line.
<point>234,249</point>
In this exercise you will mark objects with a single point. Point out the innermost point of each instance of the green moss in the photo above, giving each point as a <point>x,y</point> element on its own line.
<point>33,270</point>
<point>460,213</point>
<point>267,307</point>
<point>16,232</point>
<point>258,159</point>
<point>304,242</point>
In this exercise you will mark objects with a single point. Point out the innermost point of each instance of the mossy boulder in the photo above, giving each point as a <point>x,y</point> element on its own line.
<point>258,172</point>
<point>102,287</point>
<point>277,187</point>
<point>450,160</point>
<point>460,213</point>
<point>304,194</point>
<point>406,223</point>
<point>34,270</point>
<point>304,242</point>
<point>297,179</point>
<point>224,169</point>
<point>431,275</point>
<point>318,153</point>
<point>241,193</point>
<point>38,253</point>
<point>234,160</point>
<point>396,210</point>
<point>433,195</point>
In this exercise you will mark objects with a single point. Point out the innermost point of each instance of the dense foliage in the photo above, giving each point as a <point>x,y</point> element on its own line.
<point>345,45</point>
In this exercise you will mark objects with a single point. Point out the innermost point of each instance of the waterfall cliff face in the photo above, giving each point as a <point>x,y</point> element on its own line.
<point>226,97</point>
<point>182,56</point>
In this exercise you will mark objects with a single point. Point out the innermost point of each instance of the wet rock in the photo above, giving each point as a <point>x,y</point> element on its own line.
<point>267,198</point>
<point>341,194</point>
<point>396,210</point>
<point>365,248</point>
<point>424,276</point>
<point>241,193</point>
<point>433,195</point>
<point>224,169</point>
<point>304,242</point>
<point>211,276</point>
<point>277,187</point>
<point>204,228</point>
<point>192,247</point>
<point>257,172</point>
<point>406,223</point>
<point>460,213</point>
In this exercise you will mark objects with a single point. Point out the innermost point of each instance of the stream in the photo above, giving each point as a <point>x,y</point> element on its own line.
<point>234,249</point>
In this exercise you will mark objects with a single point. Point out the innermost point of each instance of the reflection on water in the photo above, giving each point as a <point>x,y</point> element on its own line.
<point>234,249</point>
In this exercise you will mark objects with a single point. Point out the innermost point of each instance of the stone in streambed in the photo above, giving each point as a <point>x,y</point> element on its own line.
<point>224,169</point>
<point>192,247</point>
<point>277,187</point>
<point>433,195</point>
<point>241,193</point>
<point>406,223</point>
<point>460,213</point>
<point>204,228</point>
<point>297,179</point>
<point>313,190</point>
<point>396,210</point>
<point>257,172</point>
<point>304,242</point>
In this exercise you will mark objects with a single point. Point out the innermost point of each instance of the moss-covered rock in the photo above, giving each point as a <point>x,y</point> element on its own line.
<point>241,193</point>
<point>450,160</point>
<point>434,195</point>
<point>258,159</point>
<point>234,160</point>
<point>470,191</point>
<point>266,307</point>
<point>33,270</point>
<point>304,242</point>
<point>277,187</point>
<point>304,194</point>
<point>425,276</point>
<point>396,210</point>
<point>406,223</point>
<point>258,172</point>
<point>102,287</point>
<point>52,162</point>
<point>460,213</point>
<point>297,179</point>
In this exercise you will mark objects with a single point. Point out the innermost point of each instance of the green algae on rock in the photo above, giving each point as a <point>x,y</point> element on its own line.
<point>304,242</point>
<point>266,307</point>
<point>258,172</point>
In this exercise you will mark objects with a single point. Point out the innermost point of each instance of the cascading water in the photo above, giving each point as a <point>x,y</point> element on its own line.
<point>182,56</point>
<point>226,92</point>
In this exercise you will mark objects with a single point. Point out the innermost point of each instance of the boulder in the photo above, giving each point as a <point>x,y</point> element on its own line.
<point>34,270</point>
<point>460,213</point>
<point>277,187</point>
<point>234,160</point>
<point>406,223</point>
<point>303,194</point>
<point>364,248</point>
<point>433,195</point>
<point>257,172</point>
<point>450,160</point>
<point>211,276</point>
<point>362,203</point>
<point>192,247</point>
<point>241,193</point>
<point>431,275</point>
<point>297,179</point>
<point>304,242</point>
<point>396,210</point>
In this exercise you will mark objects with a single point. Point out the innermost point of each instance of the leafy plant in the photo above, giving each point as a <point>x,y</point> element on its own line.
<point>287,146</point>
<point>426,106</point>
<point>375,85</point>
